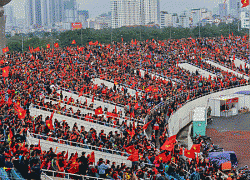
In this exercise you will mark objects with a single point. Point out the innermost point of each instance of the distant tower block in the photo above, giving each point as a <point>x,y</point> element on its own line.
<point>2,25</point>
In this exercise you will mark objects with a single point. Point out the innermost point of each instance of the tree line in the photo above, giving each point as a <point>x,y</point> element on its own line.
<point>21,42</point>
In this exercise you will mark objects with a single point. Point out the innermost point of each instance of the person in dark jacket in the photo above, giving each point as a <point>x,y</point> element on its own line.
<point>2,158</point>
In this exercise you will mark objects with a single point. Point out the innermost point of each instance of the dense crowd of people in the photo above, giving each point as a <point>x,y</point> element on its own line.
<point>27,78</point>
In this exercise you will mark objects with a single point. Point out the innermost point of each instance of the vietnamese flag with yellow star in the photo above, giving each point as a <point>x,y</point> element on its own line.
<point>48,46</point>
<point>92,157</point>
<point>130,149</point>
<point>161,157</point>
<point>244,3</point>
<point>196,148</point>
<point>98,111</point>
<point>189,153</point>
<point>73,42</point>
<point>168,145</point>
<point>5,71</point>
<point>5,49</point>
<point>21,112</point>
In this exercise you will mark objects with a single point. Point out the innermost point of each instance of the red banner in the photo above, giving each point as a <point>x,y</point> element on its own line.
<point>76,25</point>
<point>234,100</point>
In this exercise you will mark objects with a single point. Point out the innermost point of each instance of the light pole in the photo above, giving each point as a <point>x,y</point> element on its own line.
<point>170,32</point>
<point>199,29</point>
<point>81,36</point>
<point>22,43</point>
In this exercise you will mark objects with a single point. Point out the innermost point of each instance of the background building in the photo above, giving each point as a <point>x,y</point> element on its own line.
<point>166,19</point>
<point>245,19</point>
<point>223,10</point>
<point>234,8</point>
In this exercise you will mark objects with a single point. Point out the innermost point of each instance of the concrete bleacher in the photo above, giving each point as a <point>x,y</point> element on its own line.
<point>86,111</point>
<point>227,69</point>
<point>157,76</point>
<point>71,121</point>
<point>239,62</point>
<point>96,103</point>
<point>99,81</point>
<point>193,69</point>
<point>46,145</point>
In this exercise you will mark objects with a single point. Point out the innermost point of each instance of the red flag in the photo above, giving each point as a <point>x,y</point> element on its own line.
<point>39,145</point>
<point>37,49</point>
<point>92,157</point>
<point>149,89</point>
<point>93,98</point>
<point>161,157</point>
<point>244,3</point>
<point>73,42</point>
<point>168,145</point>
<point>56,45</point>
<point>130,149</point>
<point>134,156</point>
<point>10,134</point>
<point>49,122</point>
<point>9,102</point>
<point>5,50</point>
<point>48,46</point>
<point>98,111</point>
<point>67,155</point>
<point>172,138</point>
<point>5,71</point>
<point>196,148</point>
<point>21,112</point>
<point>136,106</point>
<point>189,153</point>
<point>145,126</point>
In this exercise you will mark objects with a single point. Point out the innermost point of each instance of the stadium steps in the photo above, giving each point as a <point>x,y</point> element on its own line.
<point>99,81</point>
<point>71,121</point>
<point>98,102</point>
<point>46,145</point>
<point>193,69</point>
<point>86,111</point>
<point>239,62</point>
<point>227,69</point>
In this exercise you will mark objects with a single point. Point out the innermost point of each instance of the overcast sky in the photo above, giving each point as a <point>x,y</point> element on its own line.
<point>96,7</point>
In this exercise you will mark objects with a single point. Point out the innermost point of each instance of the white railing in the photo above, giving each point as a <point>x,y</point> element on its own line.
<point>46,145</point>
<point>97,125</point>
<point>86,110</point>
<point>65,175</point>
<point>77,144</point>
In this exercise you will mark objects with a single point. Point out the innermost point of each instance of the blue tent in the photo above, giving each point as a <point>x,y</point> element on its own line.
<point>221,157</point>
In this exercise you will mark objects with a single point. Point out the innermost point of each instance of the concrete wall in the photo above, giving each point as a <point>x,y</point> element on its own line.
<point>181,117</point>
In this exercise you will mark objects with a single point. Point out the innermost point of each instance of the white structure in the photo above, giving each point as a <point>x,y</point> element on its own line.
<point>234,8</point>
<point>175,20</point>
<point>228,105</point>
<point>183,115</point>
<point>33,13</point>
<point>9,14</point>
<point>134,12</point>
<point>149,11</point>
<point>184,21</point>
<point>125,13</point>
<point>222,10</point>
<point>244,17</point>
<point>166,19</point>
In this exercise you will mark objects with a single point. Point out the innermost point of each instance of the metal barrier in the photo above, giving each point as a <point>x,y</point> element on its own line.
<point>77,144</point>
<point>65,175</point>
<point>46,145</point>
<point>98,125</point>
<point>92,111</point>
